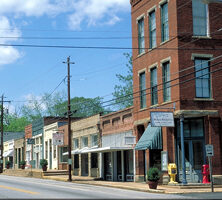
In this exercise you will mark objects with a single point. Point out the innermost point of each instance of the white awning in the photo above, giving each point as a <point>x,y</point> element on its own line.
<point>106,149</point>
<point>79,151</point>
<point>8,153</point>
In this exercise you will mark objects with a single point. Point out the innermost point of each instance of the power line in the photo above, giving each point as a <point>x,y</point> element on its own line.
<point>101,47</point>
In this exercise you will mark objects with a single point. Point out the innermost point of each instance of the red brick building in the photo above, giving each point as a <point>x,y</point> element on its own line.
<point>177,55</point>
<point>117,154</point>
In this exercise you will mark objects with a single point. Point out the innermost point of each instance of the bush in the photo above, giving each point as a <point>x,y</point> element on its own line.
<point>43,162</point>
<point>23,162</point>
<point>153,174</point>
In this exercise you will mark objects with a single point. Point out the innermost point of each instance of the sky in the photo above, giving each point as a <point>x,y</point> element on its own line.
<point>27,72</point>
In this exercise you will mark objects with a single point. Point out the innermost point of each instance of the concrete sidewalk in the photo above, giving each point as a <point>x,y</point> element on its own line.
<point>170,189</point>
<point>177,189</point>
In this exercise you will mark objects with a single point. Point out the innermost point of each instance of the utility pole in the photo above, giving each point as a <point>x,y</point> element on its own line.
<point>69,119</point>
<point>2,131</point>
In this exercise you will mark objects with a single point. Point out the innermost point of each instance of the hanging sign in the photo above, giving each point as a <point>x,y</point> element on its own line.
<point>57,138</point>
<point>161,119</point>
<point>30,141</point>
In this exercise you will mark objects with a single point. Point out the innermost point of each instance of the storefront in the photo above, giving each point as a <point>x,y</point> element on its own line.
<point>194,145</point>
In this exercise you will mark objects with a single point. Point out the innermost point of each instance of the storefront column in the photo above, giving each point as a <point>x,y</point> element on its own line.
<point>184,181</point>
<point>101,169</point>
<point>122,165</point>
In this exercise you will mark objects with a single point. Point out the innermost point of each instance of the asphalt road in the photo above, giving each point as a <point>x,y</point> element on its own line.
<point>33,188</point>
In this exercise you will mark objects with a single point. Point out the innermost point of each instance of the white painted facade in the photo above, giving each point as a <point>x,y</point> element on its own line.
<point>50,150</point>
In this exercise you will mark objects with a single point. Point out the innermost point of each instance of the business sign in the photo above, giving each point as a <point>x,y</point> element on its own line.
<point>57,138</point>
<point>209,150</point>
<point>30,141</point>
<point>158,119</point>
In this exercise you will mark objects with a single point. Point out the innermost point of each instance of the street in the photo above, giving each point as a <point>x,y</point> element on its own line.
<point>33,188</point>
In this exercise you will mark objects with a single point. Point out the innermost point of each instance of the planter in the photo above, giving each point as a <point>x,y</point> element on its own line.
<point>44,168</point>
<point>22,166</point>
<point>7,166</point>
<point>152,184</point>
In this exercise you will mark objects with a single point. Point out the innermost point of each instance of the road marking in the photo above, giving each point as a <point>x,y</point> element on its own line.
<point>17,189</point>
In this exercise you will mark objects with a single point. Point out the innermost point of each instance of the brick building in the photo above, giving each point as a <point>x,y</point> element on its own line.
<point>177,60</point>
<point>117,154</point>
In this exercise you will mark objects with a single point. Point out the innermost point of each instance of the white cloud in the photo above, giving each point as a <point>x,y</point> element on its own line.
<point>8,54</point>
<point>33,7</point>
<point>95,12</point>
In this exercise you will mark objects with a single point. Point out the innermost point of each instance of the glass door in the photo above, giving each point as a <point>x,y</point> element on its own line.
<point>194,159</point>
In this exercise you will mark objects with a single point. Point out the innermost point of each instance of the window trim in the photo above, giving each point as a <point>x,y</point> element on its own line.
<point>142,90</point>
<point>207,24</point>
<point>155,86</point>
<point>209,80</point>
<point>141,50</point>
<point>151,45</point>
<point>166,61</point>
<point>161,4</point>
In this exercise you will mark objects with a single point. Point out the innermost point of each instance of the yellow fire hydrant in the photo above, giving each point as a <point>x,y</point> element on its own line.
<point>172,171</point>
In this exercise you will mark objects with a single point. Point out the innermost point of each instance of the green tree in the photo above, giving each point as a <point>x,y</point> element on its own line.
<point>56,105</point>
<point>123,92</point>
<point>13,123</point>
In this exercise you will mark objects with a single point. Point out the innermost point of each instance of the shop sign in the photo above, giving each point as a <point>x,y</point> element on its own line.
<point>30,141</point>
<point>161,119</point>
<point>57,139</point>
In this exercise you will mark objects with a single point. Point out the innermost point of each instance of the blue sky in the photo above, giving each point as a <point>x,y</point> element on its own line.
<point>27,72</point>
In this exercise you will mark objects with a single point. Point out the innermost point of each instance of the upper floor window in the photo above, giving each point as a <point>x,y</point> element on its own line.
<point>94,140</point>
<point>164,22</point>
<point>200,18</point>
<point>76,143</point>
<point>84,141</point>
<point>152,29</point>
<point>202,72</point>
<point>153,83</point>
<point>142,80</point>
<point>166,81</point>
<point>141,41</point>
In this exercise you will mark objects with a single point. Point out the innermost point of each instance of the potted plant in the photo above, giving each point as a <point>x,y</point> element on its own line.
<point>44,163</point>
<point>22,164</point>
<point>153,176</point>
<point>8,163</point>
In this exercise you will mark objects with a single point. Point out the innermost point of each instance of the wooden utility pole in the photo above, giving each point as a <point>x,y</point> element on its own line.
<point>69,119</point>
<point>2,131</point>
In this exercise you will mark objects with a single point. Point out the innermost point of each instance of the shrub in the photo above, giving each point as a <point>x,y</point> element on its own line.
<point>43,162</point>
<point>153,174</point>
<point>23,162</point>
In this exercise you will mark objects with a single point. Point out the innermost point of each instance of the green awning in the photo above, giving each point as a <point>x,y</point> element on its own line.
<point>151,139</point>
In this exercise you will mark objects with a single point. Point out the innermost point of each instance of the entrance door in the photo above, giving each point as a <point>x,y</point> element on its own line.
<point>84,164</point>
<point>194,159</point>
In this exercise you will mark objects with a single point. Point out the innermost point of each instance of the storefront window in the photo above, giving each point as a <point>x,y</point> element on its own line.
<point>63,158</point>
<point>76,161</point>
<point>191,128</point>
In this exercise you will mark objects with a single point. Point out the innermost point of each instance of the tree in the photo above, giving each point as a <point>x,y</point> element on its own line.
<point>15,123</point>
<point>123,93</point>
<point>56,105</point>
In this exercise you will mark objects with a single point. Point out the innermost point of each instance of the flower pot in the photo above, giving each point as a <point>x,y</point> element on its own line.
<point>7,166</point>
<point>22,166</point>
<point>152,184</point>
<point>44,168</point>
